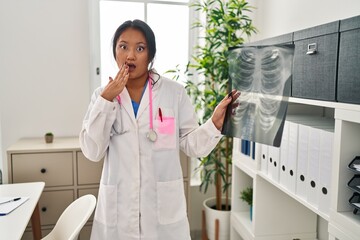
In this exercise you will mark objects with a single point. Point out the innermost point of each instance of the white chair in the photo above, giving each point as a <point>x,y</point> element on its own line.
<point>73,219</point>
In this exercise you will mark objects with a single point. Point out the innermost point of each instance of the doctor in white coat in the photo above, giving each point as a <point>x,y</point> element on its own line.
<point>138,123</point>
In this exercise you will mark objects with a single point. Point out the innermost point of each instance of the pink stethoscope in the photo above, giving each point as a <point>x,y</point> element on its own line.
<point>151,135</point>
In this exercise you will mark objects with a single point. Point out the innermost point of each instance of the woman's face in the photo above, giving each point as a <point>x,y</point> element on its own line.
<point>131,49</point>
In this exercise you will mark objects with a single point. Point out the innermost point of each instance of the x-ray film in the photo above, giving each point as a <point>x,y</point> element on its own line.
<point>263,76</point>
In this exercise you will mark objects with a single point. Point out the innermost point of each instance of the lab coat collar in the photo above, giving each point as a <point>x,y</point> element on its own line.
<point>144,103</point>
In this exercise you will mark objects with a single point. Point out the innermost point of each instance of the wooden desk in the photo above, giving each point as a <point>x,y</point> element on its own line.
<point>12,226</point>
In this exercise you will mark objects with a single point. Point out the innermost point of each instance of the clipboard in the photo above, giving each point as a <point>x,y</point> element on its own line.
<point>7,206</point>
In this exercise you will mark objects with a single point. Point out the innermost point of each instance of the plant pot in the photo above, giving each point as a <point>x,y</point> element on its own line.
<point>49,138</point>
<point>251,211</point>
<point>213,214</point>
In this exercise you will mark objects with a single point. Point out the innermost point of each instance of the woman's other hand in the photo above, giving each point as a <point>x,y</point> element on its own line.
<point>117,85</point>
<point>220,110</point>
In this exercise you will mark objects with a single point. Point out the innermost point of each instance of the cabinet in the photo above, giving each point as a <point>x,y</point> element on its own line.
<point>67,175</point>
<point>281,213</point>
<point>64,169</point>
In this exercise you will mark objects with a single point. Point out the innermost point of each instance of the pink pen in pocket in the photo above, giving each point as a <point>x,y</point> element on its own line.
<point>166,124</point>
<point>160,115</point>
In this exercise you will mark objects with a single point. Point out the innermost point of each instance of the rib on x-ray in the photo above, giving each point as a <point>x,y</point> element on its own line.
<point>263,76</point>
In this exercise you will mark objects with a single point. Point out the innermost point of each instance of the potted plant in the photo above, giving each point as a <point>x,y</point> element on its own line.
<point>226,26</point>
<point>49,137</point>
<point>247,196</point>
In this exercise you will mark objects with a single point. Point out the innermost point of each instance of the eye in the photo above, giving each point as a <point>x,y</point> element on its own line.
<point>122,46</point>
<point>140,48</point>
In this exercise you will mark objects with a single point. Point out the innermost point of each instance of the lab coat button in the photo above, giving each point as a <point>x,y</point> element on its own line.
<point>113,108</point>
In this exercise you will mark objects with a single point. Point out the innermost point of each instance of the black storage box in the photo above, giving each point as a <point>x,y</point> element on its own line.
<point>281,39</point>
<point>348,88</point>
<point>315,62</point>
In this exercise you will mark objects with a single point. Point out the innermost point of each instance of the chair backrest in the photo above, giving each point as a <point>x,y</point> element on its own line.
<point>73,219</point>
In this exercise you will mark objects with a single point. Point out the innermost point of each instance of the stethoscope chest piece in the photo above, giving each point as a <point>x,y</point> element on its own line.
<point>151,135</point>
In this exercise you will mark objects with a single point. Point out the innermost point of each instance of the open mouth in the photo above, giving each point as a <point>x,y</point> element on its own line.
<point>131,67</point>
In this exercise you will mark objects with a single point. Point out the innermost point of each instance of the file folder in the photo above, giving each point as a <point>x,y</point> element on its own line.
<point>325,173</point>
<point>292,157</point>
<point>312,187</point>
<point>302,164</point>
<point>273,163</point>
<point>284,154</point>
<point>263,157</point>
<point>304,125</point>
<point>313,184</point>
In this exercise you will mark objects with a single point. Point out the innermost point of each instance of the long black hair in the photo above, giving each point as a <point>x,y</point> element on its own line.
<point>149,37</point>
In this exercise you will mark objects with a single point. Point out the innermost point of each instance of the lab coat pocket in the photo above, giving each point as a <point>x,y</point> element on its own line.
<point>106,210</point>
<point>165,128</point>
<point>171,201</point>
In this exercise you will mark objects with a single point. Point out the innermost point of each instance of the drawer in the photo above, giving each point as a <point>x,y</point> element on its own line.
<point>315,62</point>
<point>93,191</point>
<point>52,204</point>
<point>55,169</point>
<point>349,61</point>
<point>28,234</point>
<point>89,172</point>
<point>85,233</point>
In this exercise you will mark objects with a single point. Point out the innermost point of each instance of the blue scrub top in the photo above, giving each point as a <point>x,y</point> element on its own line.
<point>135,104</point>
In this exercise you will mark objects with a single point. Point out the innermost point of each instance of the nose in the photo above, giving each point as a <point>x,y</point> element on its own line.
<point>131,55</point>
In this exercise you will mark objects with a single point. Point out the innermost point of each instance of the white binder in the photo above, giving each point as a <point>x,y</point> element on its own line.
<point>312,182</point>
<point>284,154</point>
<point>263,157</point>
<point>273,163</point>
<point>302,163</point>
<point>292,157</point>
<point>326,157</point>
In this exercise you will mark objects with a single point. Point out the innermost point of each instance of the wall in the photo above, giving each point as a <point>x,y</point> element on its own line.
<point>44,62</point>
<point>44,65</point>
<point>276,17</point>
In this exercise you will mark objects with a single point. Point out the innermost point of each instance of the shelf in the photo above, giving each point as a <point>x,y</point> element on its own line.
<point>240,221</point>
<point>348,115</point>
<point>246,164</point>
<point>285,203</point>
<point>349,220</point>
<point>295,197</point>
<point>320,103</point>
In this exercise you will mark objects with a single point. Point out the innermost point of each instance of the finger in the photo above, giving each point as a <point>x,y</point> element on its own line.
<point>119,73</point>
<point>232,93</point>
<point>123,73</point>
<point>236,95</point>
<point>126,78</point>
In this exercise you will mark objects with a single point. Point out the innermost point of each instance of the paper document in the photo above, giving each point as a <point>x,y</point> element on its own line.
<point>9,204</point>
<point>357,204</point>
<point>356,166</point>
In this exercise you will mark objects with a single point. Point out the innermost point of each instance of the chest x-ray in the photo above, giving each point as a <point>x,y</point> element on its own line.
<point>263,76</point>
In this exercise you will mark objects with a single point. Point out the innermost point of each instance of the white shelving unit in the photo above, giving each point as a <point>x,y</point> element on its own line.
<point>281,214</point>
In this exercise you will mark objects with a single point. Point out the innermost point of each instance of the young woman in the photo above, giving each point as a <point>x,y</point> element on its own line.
<point>139,122</point>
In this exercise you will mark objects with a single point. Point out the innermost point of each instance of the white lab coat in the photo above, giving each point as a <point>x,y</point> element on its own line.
<point>141,194</point>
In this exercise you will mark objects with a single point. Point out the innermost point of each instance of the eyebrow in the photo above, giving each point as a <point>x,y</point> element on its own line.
<point>122,41</point>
